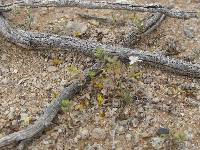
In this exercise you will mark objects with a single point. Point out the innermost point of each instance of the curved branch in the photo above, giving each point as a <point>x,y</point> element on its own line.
<point>36,40</point>
<point>51,111</point>
<point>153,8</point>
<point>149,25</point>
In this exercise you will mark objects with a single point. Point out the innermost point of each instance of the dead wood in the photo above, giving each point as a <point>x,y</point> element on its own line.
<point>153,8</point>
<point>146,28</point>
<point>37,40</point>
<point>51,111</point>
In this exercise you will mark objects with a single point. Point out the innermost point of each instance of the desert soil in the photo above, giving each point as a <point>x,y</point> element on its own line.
<point>161,102</point>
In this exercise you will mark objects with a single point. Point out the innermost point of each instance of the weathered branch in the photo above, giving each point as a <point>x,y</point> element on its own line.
<point>5,8</point>
<point>51,111</point>
<point>36,40</point>
<point>147,27</point>
<point>153,8</point>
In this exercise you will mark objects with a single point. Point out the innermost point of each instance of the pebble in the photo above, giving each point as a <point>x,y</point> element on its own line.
<point>134,122</point>
<point>98,134</point>
<point>11,113</point>
<point>163,131</point>
<point>4,81</point>
<point>23,116</point>
<point>52,69</point>
<point>189,32</point>
<point>84,133</point>
<point>157,142</point>
<point>128,137</point>
<point>3,57</point>
<point>76,27</point>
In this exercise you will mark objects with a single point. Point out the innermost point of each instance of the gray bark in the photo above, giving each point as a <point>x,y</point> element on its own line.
<point>153,8</point>
<point>36,40</point>
<point>50,112</point>
<point>149,25</point>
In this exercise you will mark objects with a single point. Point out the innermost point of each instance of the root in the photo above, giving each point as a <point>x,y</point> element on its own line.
<point>50,112</point>
<point>36,40</point>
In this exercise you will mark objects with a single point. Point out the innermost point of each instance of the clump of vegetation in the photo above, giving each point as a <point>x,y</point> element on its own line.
<point>111,83</point>
<point>66,105</point>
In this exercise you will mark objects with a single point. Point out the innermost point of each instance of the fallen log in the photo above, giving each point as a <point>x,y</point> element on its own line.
<point>35,40</point>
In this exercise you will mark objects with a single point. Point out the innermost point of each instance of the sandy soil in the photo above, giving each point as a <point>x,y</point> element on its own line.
<point>31,79</point>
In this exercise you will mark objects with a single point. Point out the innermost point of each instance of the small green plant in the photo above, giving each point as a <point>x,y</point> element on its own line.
<point>138,23</point>
<point>100,99</point>
<point>126,96</point>
<point>100,53</point>
<point>66,105</point>
<point>179,136</point>
<point>92,74</point>
<point>73,70</point>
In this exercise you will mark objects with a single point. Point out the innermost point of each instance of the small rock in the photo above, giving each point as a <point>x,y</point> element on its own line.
<point>163,131</point>
<point>11,113</point>
<point>52,69</point>
<point>155,100</point>
<point>76,27</point>
<point>23,116</point>
<point>45,142</point>
<point>84,133</point>
<point>14,123</point>
<point>189,32</point>
<point>15,71</point>
<point>99,134</point>
<point>77,138</point>
<point>4,81</point>
<point>134,122</point>
<point>59,130</point>
<point>157,142</point>
<point>189,134</point>
<point>128,137</point>
<point>121,130</point>
<point>3,57</point>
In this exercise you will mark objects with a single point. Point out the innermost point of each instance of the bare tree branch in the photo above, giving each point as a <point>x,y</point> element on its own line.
<point>5,8</point>
<point>50,112</point>
<point>36,40</point>
<point>153,8</point>
<point>147,27</point>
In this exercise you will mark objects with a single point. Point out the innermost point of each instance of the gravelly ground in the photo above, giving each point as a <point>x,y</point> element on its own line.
<point>30,80</point>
